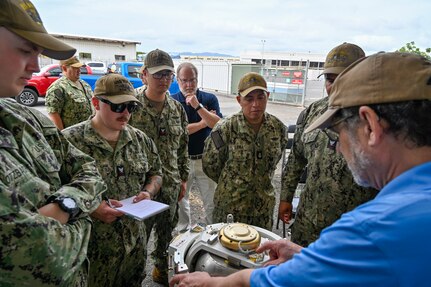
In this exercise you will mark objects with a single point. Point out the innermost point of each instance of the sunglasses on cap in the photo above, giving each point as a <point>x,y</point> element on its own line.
<point>119,108</point>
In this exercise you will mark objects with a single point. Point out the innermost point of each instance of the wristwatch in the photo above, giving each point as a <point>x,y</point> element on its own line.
<point>199,107</point>
<point>67,204</point>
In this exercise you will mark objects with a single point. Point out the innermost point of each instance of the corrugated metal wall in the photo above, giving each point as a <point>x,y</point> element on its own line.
<point>224,76</point>
<point>212,75</point>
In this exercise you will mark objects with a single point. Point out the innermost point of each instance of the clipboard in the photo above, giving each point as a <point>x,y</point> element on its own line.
<point>142,209</point>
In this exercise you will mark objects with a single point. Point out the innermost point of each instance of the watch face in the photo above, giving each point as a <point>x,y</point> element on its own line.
<point>69,203</point>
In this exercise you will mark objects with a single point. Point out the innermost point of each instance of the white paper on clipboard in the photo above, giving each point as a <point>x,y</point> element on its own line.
<point>142,209</point>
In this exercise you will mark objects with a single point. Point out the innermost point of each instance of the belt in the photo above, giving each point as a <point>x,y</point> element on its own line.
<point>197,156</point>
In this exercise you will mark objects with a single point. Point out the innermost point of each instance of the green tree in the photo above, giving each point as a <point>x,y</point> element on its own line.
<point>411,48</point>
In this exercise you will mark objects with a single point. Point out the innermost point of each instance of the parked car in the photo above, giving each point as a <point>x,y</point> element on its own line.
<point>97,67</point>
<point>40,82</point>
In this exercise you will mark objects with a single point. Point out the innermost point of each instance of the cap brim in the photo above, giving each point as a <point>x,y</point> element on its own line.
<point>77,65</point>
<point>323,121</point>
<point>119,99</point>
<point>52,47</point>
<point>154,70</point>
<point>251,89</point>
<point>333,70</point>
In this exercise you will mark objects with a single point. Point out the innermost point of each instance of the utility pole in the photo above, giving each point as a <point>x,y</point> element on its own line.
<point>304,90</point>
<point>261,60</point>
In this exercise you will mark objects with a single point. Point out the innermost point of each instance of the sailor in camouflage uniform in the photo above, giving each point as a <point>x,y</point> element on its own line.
<point>241,155</point>
<point>164,120</point>
<point>68,99</point>
<point>128,161</point>
<point>48,188</point>
<point>330,189</point>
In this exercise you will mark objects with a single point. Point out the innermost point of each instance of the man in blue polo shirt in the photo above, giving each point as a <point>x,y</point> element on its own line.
<point>203,112</point>
<point>380,120</point>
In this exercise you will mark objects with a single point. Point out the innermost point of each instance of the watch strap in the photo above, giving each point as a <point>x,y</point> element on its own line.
<point>73,212</point>
<point>199,107</point>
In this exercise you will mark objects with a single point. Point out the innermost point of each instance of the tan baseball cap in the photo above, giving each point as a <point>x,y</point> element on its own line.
<point>378,79</point>
<point>73,62</point>
<point>116,88</point>
<point>341,57</point>
<point>250,82</point>
<point>22,18</point>
<point>156,61</point>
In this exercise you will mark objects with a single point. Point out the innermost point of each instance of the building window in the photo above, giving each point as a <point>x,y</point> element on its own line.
<point>257,61</point>
<point>120,58</point>
<point>294,63</point>
<point>84,56</point>
<point>284,63</point>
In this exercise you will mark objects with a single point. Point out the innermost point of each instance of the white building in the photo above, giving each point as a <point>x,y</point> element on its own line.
<point>287,60</point>
<point>99,49</point>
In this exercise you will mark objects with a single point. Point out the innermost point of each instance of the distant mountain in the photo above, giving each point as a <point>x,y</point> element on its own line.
<point>177,55</point>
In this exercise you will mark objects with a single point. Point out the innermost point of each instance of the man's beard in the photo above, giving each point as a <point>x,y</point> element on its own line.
<point>359,164</point>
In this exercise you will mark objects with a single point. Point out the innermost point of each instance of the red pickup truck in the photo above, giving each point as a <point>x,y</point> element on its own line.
<point>40,82</point>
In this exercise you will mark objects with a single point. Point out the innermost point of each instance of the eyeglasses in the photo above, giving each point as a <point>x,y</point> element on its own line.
<point>119,108</point>
<point>330,79</point>
<point>332,135</point>
<point>160,75</point>
<point>185,81</point>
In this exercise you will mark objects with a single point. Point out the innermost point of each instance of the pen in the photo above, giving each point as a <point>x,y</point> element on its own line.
<point>108,201</point>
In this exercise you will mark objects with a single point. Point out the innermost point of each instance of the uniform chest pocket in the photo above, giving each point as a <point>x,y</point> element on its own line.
<point>175,133</point>
<point>241,152</point>
<point>78,97</point>
<point>139,169</point>
<point>136,176</point>
<point>273,151</point>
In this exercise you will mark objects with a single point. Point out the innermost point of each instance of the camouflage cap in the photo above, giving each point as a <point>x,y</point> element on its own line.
<point>341,57</point>
<point>250,82</point>
<point>22,18</point>
<point>158,60</point>
<point>378,79</point>
<point>116,88</point>
<point>73,62</point>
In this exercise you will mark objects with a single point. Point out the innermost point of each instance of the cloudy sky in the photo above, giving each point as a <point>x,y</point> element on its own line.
<point>233,26</point>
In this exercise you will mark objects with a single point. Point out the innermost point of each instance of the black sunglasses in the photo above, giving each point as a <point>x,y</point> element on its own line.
<point>119,108</point>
